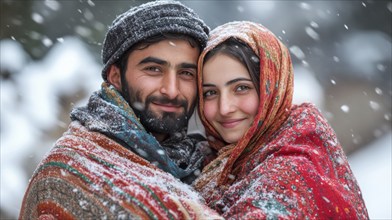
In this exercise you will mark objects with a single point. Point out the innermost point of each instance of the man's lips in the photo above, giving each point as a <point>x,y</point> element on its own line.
<point>231,123</point>
<point>168,107</point>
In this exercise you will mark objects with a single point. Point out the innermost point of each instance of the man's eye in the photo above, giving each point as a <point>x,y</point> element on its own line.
<point>188,74</point>
<point>153,69</point>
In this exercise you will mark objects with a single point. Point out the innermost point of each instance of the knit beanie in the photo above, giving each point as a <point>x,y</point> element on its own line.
<point>147,20</point>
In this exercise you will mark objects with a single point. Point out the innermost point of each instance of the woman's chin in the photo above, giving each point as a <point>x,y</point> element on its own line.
<point>232,139</point>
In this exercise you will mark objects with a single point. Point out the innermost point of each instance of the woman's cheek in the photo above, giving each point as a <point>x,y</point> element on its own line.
<point>209,111</point>
<point>251,105</point>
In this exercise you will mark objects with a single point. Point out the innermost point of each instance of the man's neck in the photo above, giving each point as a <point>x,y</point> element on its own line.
<point>160,137</point>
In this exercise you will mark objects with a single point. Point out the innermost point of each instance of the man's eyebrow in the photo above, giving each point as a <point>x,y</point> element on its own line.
<point>187,66</point>
<point>153,60</point>
<point>237,80</point>
<point>163,62</point>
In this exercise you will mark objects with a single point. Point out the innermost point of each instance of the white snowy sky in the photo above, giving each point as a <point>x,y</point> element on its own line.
<point>19,121</point>
<point>30,101</point>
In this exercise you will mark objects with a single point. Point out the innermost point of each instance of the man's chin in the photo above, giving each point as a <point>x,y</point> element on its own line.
<point>166,125</point>
<point>163,123</point>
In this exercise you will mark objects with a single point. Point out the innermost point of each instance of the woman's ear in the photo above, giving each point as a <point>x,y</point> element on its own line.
<point>114,77</point>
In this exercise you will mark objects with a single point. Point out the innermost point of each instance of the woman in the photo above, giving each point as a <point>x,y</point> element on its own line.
<point>275,159</point>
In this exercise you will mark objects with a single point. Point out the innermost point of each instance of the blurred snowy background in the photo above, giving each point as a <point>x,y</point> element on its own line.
<point>341,51</point>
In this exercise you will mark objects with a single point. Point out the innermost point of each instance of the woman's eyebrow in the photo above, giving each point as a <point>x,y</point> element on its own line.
<point>229,82</point>
<point>237,80</point>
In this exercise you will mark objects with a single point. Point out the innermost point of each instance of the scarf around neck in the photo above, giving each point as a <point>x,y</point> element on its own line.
<point>276,90</point>
<point>108,113</point>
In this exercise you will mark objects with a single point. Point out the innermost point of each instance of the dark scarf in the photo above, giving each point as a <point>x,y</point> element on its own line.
<point>108,113</point>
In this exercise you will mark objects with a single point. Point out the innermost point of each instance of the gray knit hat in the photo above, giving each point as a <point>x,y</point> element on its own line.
<point>147,20</point>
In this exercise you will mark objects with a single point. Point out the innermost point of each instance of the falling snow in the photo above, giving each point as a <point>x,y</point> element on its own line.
<point>37,18</point>
<point>312,33</point>
<point>69,68</point>
<point>345,108</point>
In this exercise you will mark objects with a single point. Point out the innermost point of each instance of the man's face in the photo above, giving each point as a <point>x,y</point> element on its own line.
<point>161,82</point>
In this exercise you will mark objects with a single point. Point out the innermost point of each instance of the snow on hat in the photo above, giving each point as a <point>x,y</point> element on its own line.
<point>147,20</point>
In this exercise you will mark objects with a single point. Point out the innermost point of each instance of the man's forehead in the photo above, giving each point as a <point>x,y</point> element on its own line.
<point>172,52</point>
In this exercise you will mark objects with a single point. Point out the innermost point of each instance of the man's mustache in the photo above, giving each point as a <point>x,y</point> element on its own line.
<point>164,100</point>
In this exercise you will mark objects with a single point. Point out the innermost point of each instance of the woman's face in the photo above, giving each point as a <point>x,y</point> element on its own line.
<point>230,98</point>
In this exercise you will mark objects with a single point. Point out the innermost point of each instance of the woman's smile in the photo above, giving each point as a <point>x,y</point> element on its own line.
<point>231,123</point>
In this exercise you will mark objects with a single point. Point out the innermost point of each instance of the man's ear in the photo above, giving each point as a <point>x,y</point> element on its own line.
<point>114,77</point>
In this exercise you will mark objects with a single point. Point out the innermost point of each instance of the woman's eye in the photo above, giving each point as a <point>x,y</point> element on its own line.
<point>209,93</point>
<point>242,88</point>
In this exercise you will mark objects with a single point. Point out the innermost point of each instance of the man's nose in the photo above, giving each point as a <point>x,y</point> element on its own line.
<point>170,87</point>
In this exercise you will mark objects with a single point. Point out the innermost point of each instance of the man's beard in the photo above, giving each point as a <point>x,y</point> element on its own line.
<point>164,123</point>
<point>168,122</point>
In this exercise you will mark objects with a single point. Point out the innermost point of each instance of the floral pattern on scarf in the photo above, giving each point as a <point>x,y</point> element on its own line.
<point>289,163</point>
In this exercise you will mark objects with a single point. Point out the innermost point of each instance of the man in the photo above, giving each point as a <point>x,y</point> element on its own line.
<point>111,165</point>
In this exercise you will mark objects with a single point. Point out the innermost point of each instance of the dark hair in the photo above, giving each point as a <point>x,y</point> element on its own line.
<point>122,62</point>
<point>242,52</point>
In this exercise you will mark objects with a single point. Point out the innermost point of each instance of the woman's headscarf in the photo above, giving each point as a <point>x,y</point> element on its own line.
<point>276,90</point>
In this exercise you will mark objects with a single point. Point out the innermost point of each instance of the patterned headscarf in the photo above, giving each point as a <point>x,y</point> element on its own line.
<point>276,90</point>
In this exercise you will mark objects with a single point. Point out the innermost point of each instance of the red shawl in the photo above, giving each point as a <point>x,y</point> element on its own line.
<point>289,163</point>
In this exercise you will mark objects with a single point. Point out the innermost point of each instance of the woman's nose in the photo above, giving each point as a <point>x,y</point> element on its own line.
<point>226,104</point>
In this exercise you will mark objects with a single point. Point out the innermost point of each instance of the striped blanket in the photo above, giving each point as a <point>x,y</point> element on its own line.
<point>94,171</point>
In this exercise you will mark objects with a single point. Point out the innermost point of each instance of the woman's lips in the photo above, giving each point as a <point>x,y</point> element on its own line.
<point>231,123</point>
